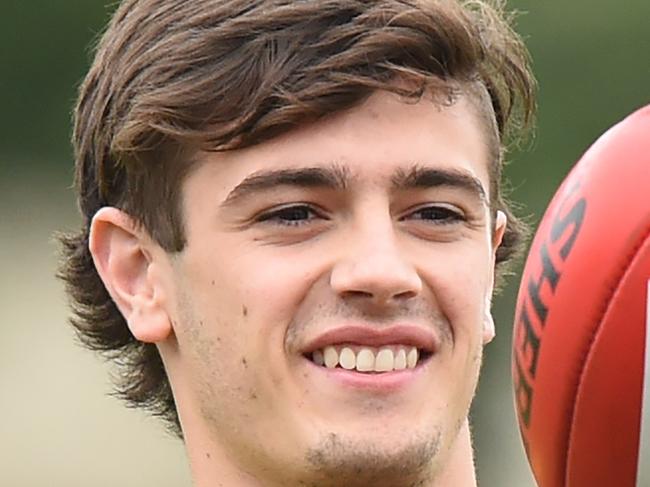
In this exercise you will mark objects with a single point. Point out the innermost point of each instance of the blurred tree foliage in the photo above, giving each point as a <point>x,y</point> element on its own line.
<point>43,53</point>
<point>592,60</point>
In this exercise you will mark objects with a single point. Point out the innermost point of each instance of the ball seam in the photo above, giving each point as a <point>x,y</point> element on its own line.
<point>629,259</point>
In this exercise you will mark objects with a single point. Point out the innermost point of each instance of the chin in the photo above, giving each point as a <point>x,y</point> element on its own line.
<point>360,459</point>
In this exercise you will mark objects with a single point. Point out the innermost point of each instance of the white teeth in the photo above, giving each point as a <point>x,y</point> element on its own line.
<point>400,359</point>
<point>384,361</point>
<point>318,358</point>
<point>365,360</point>
<point>412,358</point>
<point>331,357</point>
<point>347,359</point>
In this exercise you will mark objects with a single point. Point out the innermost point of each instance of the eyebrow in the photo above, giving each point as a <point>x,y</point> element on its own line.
<point>338,177</point>
<point>334,177</point>
<point>423,177</point>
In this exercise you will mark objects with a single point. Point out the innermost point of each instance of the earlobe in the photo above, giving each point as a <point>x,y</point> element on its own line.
<point>489,330</point>
<point>122,255</point>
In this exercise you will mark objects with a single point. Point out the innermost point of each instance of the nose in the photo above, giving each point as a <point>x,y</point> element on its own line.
<point>374,269</point>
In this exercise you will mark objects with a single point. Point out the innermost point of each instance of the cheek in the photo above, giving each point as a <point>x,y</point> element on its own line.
<point>270,286</point>
<point>459,280</point>
<point>238,311</point>
<point>219,362</point>
<point>210,322</point>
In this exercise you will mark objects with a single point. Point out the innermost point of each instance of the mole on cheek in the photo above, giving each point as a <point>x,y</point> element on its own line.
<point>244,362</point>
<point>244,311</point>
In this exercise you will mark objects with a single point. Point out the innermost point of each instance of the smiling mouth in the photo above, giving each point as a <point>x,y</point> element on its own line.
<point>369,360</point>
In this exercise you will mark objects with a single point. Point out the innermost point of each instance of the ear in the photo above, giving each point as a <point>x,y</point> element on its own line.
<point>127,261</point>
<point>489,330</point>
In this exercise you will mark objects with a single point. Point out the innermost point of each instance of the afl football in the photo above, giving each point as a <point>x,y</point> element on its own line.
<point>580,331</point>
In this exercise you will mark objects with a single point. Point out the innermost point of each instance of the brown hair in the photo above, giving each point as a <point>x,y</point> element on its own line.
<point>171,77</point>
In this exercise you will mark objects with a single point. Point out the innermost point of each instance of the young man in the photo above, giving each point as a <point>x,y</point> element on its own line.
<point>292,221</point>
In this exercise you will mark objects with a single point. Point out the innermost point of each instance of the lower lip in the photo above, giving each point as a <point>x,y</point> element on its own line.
<point>379,382</point>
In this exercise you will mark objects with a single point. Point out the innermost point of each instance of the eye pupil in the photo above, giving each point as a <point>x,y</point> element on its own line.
<point>437,214</point>
<point>289,216</point>
<point>295,214</point>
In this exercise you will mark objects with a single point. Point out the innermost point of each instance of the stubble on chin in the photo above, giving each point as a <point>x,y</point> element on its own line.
<point>337,462</point>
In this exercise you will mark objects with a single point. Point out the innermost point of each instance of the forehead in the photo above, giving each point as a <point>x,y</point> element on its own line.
<point>371,142</point>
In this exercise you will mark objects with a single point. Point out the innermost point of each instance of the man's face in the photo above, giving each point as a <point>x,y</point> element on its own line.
<point>364,241</point>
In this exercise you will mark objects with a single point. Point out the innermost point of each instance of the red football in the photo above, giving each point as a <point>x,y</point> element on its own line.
<point>580,325</point>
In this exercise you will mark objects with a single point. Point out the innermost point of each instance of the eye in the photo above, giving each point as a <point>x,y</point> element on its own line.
<point>437,214</point>
<point>292,216</point>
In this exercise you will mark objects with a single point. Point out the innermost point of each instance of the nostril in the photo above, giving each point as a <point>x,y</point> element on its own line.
<point>374,276</point>
<point>380,297</point>
<point>356,294</point>
<point>405,295</point>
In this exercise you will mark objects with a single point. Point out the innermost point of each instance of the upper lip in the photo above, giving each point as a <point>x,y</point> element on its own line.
<point>373,336</point>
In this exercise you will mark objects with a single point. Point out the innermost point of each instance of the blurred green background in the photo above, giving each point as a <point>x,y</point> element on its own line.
<point>58,425</point>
